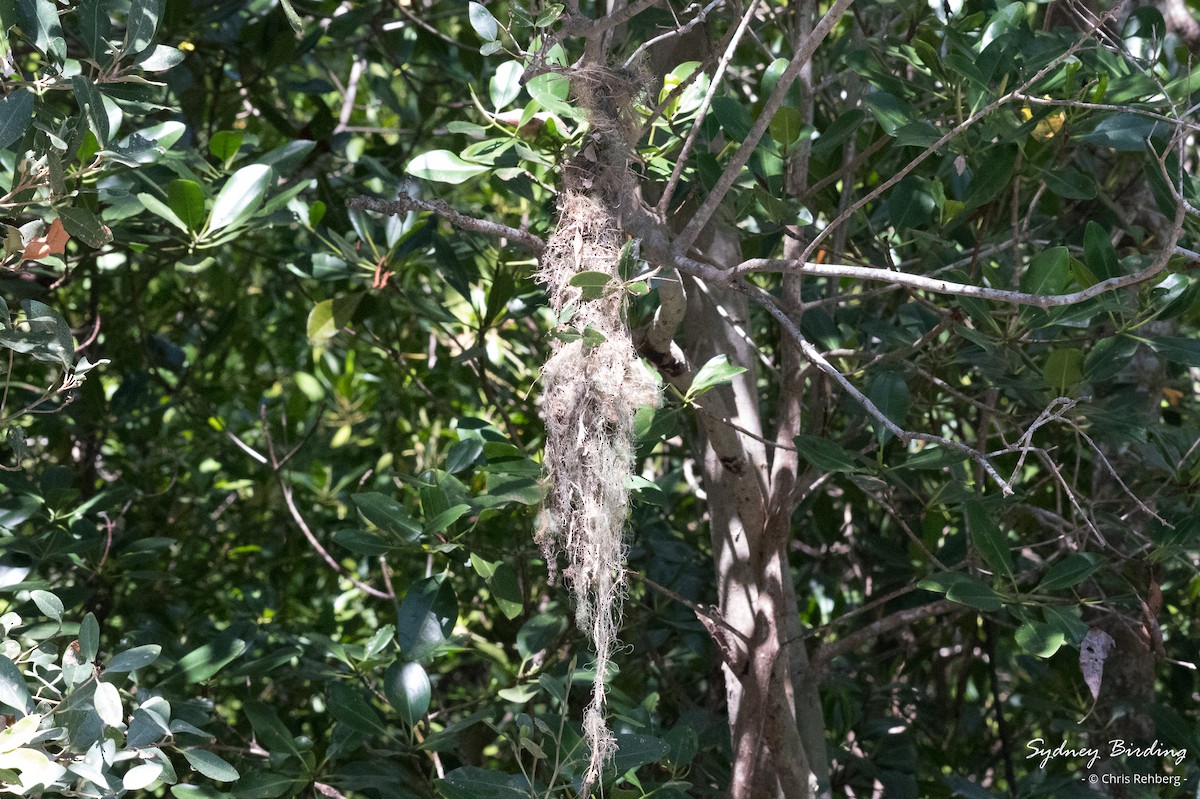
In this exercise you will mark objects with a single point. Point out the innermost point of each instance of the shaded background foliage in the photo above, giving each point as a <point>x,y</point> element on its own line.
<point>373,380</point>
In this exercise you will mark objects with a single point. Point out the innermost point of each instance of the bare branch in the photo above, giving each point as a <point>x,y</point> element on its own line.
<point>895,621</point>
<point>815,357</point>
<point>404,203</point>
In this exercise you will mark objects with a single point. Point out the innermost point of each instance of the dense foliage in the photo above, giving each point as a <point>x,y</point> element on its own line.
<point>914,283</point>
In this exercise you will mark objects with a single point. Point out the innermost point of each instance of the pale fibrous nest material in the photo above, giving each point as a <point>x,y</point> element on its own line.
<point>593,386</point>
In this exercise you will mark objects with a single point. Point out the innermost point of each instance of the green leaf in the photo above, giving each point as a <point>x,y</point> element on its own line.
<point>718,371</point>
<point>443,166</point>
<point>472,782</point>
<point>635,751</point>
<point>141,24</point>
<point>83,225</point>
<point>161,209</point>
<point>329,317</point>
<point>203,662</point>
<point>89,638</point>
<point>159,58</point>
<point>361,542</point>
<point>107,701</point>
<point>507,591</point>
<point>226,144</point>
<point>94,26</point>
<point>210,765</point>
<point>48,604</point>
<point>269,730</point>
<point>976,594</point>
<point>444,519</point>
<point>292,17</point>
<point>13,691</point>
<point>483,22</point>
<point>889,392</point>
<point>1069,572</point>
<point>408,690</point>
<point>387,514</point>
<point>1110,356</point>
<point>988,539</point>
<point>733,117</point>
<point>786,126</point>
<point>551,91</point>
<point>1048,273</point>
<point>426,617</point>
<point>1176,349</point>
<point>1098,253</point>
<point>505,85</point>
<point>889,111</point>
<point>826,455</point>
<point>240,196</point>
<point>348,707</point>
<point>142,776</point>
<point>92,105</point>
<point>592,285</point>
<point>16,114</point>
<point>1063,370</point>
<point>186,199</point>
<point>133,659</point>
<point>1041,640</point>
<point>991,175</point>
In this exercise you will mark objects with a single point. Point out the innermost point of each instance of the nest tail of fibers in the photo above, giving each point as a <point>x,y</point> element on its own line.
<point>591,393</point>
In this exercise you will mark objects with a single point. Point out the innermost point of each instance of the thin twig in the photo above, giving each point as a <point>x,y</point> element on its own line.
<point>404,204</point>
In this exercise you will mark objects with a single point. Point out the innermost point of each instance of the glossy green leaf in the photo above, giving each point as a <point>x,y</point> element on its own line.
<point>1042,640</point>
<point>826,455</point>
<point>717,371</point>
<point>507,591</point>
<point>292,17</point>
<point>16,115</point>
<point>108,704</point>
<point>988,539</point>
<point>889,111</point>
<point>444,166</point>
<point>1069,572</point>
<point>92,105</point>
<point>85,226</point>
<point>48,604</point>
<point>505,85</point>
<point>141,24</point>
<point>1063,370</point>
<point>142,776</point>
<point>186,198</point>
<point>89,638</point>
<point>1109,357</point>
<point>1176,349</point>
<point>226,144</point>
<point>408,690</point>
<point>426,617</point>
<point>1048,273</point>
<point>472,782</point>
<point>159,58</point>
<point>204,662</point>
<point>133,659</point>
<point>347,706</point>
<point>210,765</point>
<point>889,392</point>
<point>975,594</point>
<point>387,514</point>
<point>13,691</point>
<point>241,195</point>
<point>94,26</point>
<point>483,22</point>
<point>330,317</point>
<point>1098,253</point>
<point>269,730</point>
